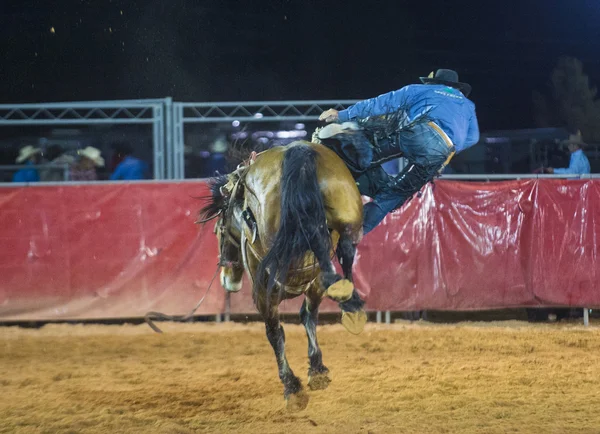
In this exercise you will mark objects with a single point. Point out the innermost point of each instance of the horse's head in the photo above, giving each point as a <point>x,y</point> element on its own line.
<point>221,204</point>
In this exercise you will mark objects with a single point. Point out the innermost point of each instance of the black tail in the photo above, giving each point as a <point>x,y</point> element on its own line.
<point>303,225</point>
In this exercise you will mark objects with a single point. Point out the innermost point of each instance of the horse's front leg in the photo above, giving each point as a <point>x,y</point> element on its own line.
<point>354,317</point>
<point>296,397</point>
<point>309,315</point>
<point>231,277</point>
<point>230,260</point>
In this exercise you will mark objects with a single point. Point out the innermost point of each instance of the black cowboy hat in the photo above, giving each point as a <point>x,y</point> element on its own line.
<point>449,78</point>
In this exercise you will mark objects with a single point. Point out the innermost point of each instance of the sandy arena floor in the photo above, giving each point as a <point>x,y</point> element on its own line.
<point>221,378</point>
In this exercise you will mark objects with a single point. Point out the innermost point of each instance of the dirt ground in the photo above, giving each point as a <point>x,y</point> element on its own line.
<point>501,377</point>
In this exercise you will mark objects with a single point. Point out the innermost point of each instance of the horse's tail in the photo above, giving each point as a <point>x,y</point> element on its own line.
<point>303,225</point>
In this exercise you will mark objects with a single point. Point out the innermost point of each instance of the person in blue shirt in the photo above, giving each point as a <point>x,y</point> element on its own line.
<point>129,168</point>
<point>426,124</point>
<point>30,156</point>
<point>579,163</point>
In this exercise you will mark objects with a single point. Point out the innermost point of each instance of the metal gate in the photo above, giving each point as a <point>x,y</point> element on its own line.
<point>252,111</point>
<point>153,112</point>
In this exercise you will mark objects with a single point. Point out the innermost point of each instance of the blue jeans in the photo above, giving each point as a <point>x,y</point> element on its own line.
<point>426,152</point>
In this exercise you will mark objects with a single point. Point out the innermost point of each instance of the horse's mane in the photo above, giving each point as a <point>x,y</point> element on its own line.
<point>238,152</point>
<point>215,202</point>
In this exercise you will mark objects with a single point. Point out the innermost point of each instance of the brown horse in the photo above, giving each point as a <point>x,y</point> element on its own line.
<point>285,217</point>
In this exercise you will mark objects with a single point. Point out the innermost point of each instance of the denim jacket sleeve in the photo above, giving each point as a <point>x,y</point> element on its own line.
<point>383,104</point>
<point>577,165</point>
<point>472,132</point>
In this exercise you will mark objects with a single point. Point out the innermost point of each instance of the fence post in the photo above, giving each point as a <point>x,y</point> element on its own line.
<point>169,136</point>
<point>227,306</point>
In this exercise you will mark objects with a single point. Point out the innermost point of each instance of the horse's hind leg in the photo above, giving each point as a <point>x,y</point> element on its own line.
<point>309,314</point>
<point>336,287</point>
<point>354,317</point>
<point>345,253</point>
<point>296,397</point>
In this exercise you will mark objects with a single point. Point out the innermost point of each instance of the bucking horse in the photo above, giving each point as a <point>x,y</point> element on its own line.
<point>282,217</point>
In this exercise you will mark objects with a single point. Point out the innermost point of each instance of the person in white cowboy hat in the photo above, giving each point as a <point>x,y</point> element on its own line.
<point>85,169</point>
<point>579,163</point>
<point>424,123</point>
<point>30,156</point>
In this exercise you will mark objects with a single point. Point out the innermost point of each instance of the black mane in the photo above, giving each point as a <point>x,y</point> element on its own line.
<point>216,202</point>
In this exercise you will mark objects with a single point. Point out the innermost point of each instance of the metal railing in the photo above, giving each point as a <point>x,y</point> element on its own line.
<point>517,176</point>
<point>168,119</point>
<point>150,112</point>
<point>248,111</point>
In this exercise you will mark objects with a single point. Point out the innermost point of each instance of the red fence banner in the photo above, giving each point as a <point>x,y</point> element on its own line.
<point>103,251</point>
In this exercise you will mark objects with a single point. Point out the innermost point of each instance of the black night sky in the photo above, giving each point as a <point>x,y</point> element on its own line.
<point>224,50</point>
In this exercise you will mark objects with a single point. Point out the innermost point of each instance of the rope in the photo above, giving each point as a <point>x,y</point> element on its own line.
<point>152,316</point>
<point>207,219</point>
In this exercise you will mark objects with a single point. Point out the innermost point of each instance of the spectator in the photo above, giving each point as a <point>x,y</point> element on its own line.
<point>130,168</point>
<point>217,162</point>
<point>579,163</point>
<point>85,168</point>
<point>56,156</point>
<point>30,156</point>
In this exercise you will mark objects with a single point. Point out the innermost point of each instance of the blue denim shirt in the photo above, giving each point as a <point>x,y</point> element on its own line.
<point>130,169</point>
<point>446,106</point>
<point>579,164</point>
<point>27,174</point>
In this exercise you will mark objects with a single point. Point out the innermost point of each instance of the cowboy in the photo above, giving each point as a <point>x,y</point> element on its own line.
<point>431,122</point>
<point>57,160</point>
<point>579,163</point>
<point>130,168</point>
<point>30,156</point>
<point>85,168</point>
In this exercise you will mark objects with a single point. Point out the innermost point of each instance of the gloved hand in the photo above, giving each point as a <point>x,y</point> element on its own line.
<point>330,115</point>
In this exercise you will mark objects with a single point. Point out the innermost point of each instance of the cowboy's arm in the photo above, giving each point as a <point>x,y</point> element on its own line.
<point>472,132</point>
<point>387,103</point>
<point>576,166</point>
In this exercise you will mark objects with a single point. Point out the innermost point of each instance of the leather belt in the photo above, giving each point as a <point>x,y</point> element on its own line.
<point>447,140</point>
<point>441,133</point>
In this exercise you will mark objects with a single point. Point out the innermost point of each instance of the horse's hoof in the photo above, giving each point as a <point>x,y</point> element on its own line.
<point>354,322</point>
<point>297,401</point>
<point>318,381</point>
<point>340,291</point>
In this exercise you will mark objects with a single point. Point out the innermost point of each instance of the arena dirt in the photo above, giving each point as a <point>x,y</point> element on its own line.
<point>222,378</point>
